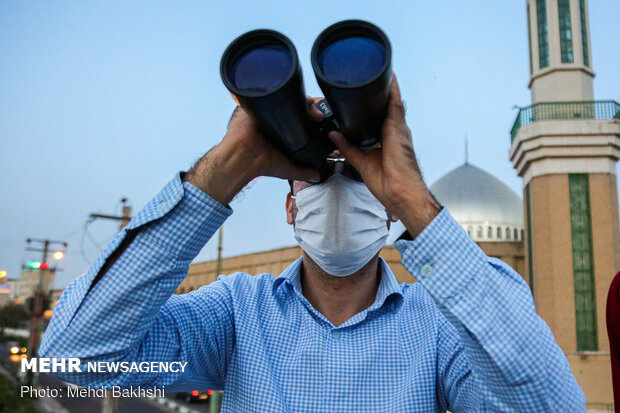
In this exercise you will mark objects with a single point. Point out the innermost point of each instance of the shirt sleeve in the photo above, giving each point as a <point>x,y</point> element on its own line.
<point>128,313</point>
<point>495,352</point>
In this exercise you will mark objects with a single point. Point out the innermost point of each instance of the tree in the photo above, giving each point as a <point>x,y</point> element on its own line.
<point>12,315</point>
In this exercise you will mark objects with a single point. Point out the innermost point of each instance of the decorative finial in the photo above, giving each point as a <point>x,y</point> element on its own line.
<point>466,151</point>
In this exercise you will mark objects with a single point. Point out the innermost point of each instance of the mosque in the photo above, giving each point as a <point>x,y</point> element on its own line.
<point>563,235</point>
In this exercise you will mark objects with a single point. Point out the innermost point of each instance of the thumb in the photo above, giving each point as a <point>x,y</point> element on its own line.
<point>288,170</point>
<point>304,174</point>
<point>351,152</point>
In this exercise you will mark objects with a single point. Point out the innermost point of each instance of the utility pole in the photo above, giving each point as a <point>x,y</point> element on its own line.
<point>220,237</point>
<point>110,403</point>
<point>39,299</point>
<point>216,398</point>
<point>125,218</point>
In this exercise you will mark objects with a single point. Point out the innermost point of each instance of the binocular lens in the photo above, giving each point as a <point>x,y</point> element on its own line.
<point>261,69</point>
<point>352,61</point>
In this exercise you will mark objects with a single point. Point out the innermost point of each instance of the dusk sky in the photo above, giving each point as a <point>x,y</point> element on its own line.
<point>105,100</point>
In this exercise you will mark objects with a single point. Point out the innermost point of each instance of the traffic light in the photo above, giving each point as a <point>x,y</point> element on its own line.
<point>37,265</point>
<point>33,265</point>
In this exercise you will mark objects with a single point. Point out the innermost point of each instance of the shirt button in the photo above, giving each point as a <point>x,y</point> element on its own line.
<point>161,207</point>
<point>335,334</point>
<point>427,270</point>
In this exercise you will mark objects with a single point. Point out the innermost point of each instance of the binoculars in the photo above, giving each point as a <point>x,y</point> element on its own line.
<point>352,62</point>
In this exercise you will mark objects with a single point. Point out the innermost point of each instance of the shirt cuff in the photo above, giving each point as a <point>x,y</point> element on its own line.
<point>183,218</point>
<point>443,257</point>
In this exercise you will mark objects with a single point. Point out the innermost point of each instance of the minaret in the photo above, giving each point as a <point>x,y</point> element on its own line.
<point>565,147</point>
<point>560,62</point>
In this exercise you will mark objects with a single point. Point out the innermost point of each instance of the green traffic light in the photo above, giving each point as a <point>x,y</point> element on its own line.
<point>33,265</point>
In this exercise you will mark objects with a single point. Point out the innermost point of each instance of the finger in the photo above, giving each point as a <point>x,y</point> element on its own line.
<point>395,88</point>
<point>312,100</point>
<point>353,154</point>
<point>314,113</point>
<point>283,167</point>
<point>297,173</point>
<point>396,108</point>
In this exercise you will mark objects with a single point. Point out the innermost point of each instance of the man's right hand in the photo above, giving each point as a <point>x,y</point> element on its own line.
<point>242,155</point>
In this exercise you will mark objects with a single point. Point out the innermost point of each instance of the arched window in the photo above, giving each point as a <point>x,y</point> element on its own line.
<point>499,232</point>
<point>507,233</point>
<point>479,232</point>
<point>469,230</point>
<point>522,233</point>
<point>490,232</point>
<point>516,234</point>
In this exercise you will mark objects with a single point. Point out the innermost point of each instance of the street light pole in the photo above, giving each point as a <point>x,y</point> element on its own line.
<point>216,398</point>
<point>39,300</point>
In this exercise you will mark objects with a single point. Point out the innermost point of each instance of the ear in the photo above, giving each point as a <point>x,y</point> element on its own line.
<point>391,216</point>
<point>289,209</point>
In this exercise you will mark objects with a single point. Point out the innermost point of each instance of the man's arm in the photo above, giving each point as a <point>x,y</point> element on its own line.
<point>128,314</point>
<point>495,352</point>
<point>121,309</point>
<point>508,348</point>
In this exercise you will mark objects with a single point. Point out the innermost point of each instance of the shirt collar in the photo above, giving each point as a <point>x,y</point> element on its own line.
<point>388,286</point>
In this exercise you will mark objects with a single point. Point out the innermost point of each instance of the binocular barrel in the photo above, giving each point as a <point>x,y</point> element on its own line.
<point>352,63</point>
<point>261,69</point>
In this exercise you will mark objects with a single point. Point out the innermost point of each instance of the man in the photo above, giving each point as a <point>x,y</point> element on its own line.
<point>329,334</point>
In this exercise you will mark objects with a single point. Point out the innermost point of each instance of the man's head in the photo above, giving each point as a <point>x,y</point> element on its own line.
<point>338,223</point>
<point>339,165</point>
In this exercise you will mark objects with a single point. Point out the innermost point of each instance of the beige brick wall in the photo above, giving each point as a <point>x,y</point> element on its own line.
<point>553,257</point>
<point>275,261</point>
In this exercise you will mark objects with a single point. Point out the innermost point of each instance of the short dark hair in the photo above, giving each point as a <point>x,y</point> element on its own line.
<point>290,183</point>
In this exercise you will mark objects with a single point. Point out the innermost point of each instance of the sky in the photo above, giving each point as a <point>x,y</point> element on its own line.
<point>105,100</point>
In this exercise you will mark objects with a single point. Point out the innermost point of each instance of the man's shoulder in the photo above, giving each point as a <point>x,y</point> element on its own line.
<point>416,299</point>
<point>247,284</point>
<point>421,313</point>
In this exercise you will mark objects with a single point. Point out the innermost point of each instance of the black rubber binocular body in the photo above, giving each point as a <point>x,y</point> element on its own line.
<point>352,63</point>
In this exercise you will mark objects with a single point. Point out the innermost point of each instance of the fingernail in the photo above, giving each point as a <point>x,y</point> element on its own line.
<point>334,135</point>
<point>317,110</point>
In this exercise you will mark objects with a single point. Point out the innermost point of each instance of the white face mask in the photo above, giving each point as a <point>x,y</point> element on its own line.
<point>340,224</point>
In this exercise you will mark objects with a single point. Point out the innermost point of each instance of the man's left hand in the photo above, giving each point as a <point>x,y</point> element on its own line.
<point>391,172</point>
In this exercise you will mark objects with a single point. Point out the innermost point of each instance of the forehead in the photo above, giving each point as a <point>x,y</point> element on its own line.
<point>299,185</point>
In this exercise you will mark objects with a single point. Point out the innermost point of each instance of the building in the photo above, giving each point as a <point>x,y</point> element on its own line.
<point>565,146</point>
<point>490,212</point>
<point>5,290</point>
<point>25,287</point>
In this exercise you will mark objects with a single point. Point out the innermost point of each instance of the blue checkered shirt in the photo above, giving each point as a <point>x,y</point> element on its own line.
<point>464,338</point>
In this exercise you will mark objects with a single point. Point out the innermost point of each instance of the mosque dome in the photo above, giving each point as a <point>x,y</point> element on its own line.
<point>484,206</point>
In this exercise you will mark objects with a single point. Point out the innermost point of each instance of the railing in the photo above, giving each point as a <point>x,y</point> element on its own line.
<point>593,109</point>
<point>600,407</point>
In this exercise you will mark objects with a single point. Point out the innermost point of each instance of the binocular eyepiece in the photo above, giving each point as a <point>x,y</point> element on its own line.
<point>352,63</point>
